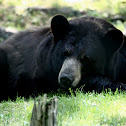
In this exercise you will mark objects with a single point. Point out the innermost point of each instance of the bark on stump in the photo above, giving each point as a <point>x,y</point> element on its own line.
<point>45,113</point>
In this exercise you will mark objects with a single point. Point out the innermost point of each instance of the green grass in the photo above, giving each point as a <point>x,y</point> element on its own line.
<point>84,109</point>
<point>16,113</point>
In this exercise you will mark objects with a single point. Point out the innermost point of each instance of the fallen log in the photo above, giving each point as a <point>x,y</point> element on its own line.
<point>67,11</point>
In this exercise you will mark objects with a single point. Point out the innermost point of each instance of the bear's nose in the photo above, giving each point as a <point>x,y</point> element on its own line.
<point>66,80</point>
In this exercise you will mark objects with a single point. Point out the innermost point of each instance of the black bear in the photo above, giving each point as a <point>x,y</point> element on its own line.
<point>61,56</point>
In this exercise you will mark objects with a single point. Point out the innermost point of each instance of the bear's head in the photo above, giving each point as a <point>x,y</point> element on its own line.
<point>83,47</point>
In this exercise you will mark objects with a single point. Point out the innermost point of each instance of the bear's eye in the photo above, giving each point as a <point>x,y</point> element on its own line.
<point>66,52</point>
<point>85,59</point>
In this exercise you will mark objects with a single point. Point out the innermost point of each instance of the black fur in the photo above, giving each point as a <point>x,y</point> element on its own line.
<point>36,60</point>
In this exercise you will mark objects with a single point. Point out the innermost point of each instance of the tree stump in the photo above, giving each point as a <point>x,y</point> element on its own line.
<point>45,113</point>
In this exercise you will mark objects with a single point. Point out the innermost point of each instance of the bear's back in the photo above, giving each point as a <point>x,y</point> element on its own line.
<point>21,47</point>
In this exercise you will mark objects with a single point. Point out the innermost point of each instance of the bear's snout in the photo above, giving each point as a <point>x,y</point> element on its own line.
<point>66,80</point>
<point>70,73</point>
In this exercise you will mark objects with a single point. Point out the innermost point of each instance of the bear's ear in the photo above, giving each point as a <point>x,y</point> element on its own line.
<point>59,27</point>
<point>113,40</point>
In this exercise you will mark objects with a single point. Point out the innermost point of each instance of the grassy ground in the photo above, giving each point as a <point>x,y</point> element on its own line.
<point>84,109</point>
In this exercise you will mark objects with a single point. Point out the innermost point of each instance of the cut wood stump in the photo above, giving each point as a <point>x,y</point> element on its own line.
<point>45,113</point>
